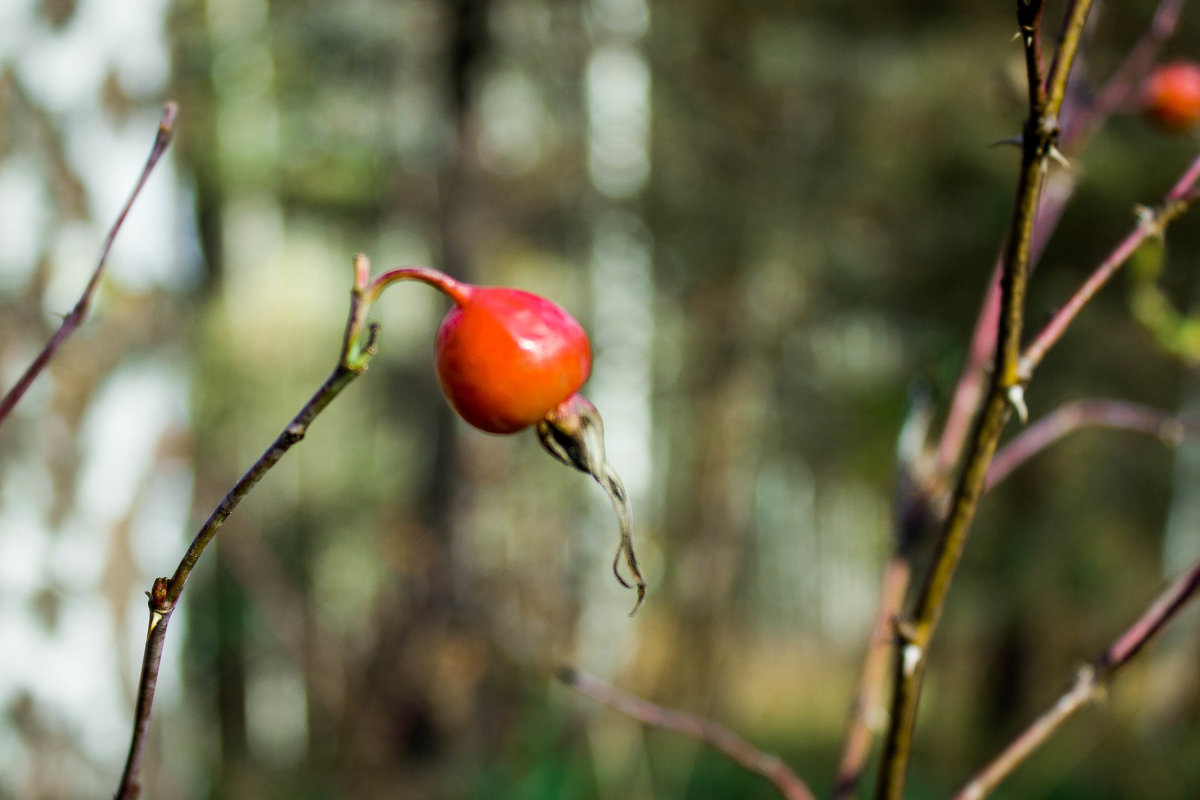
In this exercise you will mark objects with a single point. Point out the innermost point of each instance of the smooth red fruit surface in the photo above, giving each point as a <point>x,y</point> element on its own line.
<point>506,358</point>
<point>1172,95</point>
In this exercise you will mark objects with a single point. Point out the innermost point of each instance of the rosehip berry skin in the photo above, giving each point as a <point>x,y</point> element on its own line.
<point>1172,95</point>
<point>507,358</point>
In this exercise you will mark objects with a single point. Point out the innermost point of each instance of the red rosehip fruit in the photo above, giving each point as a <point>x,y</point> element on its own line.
<point>507,358</point>
<point>1172,95</point>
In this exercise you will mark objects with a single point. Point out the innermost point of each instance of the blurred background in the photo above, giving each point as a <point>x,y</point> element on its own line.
<point>776,220</point>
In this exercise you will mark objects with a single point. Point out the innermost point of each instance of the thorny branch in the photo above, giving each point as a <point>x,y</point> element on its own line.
<point>1005,391</point>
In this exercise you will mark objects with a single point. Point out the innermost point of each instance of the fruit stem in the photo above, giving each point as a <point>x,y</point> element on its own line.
<point>457,291</point>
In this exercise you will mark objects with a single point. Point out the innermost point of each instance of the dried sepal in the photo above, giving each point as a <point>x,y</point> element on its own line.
<point>574,434</point>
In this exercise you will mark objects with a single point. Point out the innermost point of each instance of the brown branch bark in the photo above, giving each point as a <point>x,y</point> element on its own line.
<point>870,708</point>
<point>357,349</point>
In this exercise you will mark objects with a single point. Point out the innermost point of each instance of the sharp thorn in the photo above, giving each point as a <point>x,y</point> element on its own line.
<point>1016,399</point>
<point>1057,157</point>
<point>1013,140</point>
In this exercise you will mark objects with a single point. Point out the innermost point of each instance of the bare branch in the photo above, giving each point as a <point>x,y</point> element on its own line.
<point>1150,223</point>
<point>704,730</point>
<point>1038,139</point>
<point>1122,86</point>
<point>870,710</point>
<point>1060,187</point>
<point>1071,417</point>
<point>166,591</point>
<point>1090,684</point>
<point>166,130</point>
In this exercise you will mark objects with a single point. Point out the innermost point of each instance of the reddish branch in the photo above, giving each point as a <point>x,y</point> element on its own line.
<point>1089,685</point>
<point>1083,414</point>
<point>1122,86</point>
<point>704,730</point>
<point>166,130</point>
<point>870,708</point>
<point>1080,121</point>
<point>1151,223</point>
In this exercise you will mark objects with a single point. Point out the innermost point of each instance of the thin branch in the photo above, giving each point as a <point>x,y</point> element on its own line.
<point>1004,393</point>
<point>166,130</point>
<point>716,736</point>
<point>1090,684</point>
<point>870,710</point>
<point>1059,189</point>
<point>1029,20</point>
<point>1122,86</point>
<point>1070,417</point>
<point>915,507</point>
<point>166,591</point>
<point>972,382</point>
<point>1150,223</point>
<point>357,348</point>
<point>1064,57</point>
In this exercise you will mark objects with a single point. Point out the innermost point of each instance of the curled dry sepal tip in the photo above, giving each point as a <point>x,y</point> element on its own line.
<point>508,360</point>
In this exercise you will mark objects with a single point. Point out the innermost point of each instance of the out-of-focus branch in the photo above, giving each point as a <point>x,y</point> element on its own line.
<point>1151,223</point>
<point>1071,417</point>
<point>1089,685</point>
<point>704,730</point>
<point>1123,84</point>
<point>915,507</point>
<point>870,710</point>
<point>166,130</point>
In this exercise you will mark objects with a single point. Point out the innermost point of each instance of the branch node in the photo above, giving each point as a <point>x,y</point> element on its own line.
<point>1086,681</point>
<point>362,272</point>
<point>906,632</point>
<point>1147,217</point>
<point>370,348</point>
<point>159,595</point>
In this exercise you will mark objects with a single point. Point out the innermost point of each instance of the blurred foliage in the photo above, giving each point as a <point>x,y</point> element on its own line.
<point>822,210</point>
